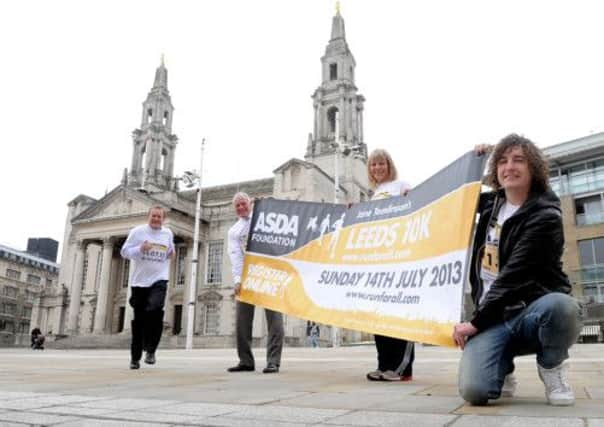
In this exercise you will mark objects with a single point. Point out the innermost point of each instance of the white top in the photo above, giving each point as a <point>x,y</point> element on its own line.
<point>490,266</point>
<point>237,241</point>
<point>153,265</point>
<point>390,189</point>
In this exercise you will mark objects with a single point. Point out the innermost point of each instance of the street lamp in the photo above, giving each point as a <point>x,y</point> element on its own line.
<point>190,179</point>
<point>335,341</point>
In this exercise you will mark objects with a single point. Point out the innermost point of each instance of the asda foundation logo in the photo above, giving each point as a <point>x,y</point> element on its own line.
<point>275,223</point>
<point>276,229</point>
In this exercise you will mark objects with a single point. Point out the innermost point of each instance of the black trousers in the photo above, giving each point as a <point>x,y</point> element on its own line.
<point>395,354</point>
<point>148,320</point>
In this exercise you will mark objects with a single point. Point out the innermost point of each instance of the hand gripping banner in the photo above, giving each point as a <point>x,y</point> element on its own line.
<point>392,267</point>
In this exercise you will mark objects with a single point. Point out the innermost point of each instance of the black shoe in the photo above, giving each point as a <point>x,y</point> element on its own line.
<point>240,368</point>
<point>150,358</point>
<point>270,369</point>
<point>135,364</point>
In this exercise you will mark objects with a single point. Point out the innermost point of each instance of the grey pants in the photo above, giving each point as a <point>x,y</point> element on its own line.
<point>245,320</point>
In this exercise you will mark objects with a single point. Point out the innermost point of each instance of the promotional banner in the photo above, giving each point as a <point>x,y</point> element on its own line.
<point>392,267</point>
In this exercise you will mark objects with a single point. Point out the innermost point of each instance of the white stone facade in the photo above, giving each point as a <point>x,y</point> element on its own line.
<point>96,276</point>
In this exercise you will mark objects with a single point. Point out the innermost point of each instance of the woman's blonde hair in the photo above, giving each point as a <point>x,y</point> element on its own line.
<point>381,154</point>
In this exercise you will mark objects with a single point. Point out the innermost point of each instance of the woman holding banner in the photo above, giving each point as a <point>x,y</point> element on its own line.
<point>395,356</point>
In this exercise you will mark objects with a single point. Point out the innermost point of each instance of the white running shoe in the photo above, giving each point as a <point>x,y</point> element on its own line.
<point>509,385</point>
<point>557,389</point>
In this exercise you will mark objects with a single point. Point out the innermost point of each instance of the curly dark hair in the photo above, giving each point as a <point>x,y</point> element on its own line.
<point>536,162</point>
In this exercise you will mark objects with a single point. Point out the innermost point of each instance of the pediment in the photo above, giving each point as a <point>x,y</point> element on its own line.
<point>120,202</point>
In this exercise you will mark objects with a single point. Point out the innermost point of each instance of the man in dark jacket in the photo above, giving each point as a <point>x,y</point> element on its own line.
<point>519,290</point>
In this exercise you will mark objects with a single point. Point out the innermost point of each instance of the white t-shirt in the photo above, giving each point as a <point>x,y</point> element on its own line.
<point>153,265</point>
<point>237,240</point>
<point>390,189</point>
<point>490,259</point>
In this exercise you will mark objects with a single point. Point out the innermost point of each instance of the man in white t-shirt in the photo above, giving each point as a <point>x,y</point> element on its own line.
<point>149,247</point>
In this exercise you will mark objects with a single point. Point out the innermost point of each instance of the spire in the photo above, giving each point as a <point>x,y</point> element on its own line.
<point>337,25</point>
<point>161,75</point>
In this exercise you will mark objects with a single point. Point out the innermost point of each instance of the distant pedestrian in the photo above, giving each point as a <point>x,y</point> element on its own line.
<point>37,339</point>
<point>314,335</point>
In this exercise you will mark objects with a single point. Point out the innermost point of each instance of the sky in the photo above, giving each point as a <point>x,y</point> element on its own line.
<point>439,77</point>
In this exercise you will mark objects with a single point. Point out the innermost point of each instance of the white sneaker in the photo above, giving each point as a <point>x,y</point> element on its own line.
<point>509,385</point>
<point>557,390</point>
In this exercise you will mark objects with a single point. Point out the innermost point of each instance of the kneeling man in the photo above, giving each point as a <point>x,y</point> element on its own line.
<point>519,290</point>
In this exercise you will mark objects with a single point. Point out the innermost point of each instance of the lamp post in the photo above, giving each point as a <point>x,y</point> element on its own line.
<point>335,342</point>
<point>190,178</point>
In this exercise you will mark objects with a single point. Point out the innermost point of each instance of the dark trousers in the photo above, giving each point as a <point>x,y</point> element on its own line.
<point>245,320</point>
<point>395,354</point>
<point>148,320</point>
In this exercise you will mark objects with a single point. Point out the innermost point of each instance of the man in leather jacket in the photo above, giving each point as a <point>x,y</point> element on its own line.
<point>520,293</point>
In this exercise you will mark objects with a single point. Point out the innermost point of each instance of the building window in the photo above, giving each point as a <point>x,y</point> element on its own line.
<point>25,328</point>
<point>33,279</point>
<point>215,249</point>
<point>333,71</point>
<point>85,271</point>
<point>29,296</point>
<point>8,308</point>
<point>180,265</point>
<point>48,282</point>
<point>13,274</point>
<point>125,272</point>
<point>591,274</point>
<point>10,292</point>
<point>589,210</point>
<point>210,319</point>
<point>27,312</point>
<point>332,116</point>
<point>7,325</point>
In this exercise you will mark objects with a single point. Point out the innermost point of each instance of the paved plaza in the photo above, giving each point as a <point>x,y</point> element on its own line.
<point>317,387</point>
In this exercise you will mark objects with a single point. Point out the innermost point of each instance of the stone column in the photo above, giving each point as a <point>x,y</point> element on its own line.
<point>316,136</point>
<point>76,289</point>
<point>361,139</point>
<point>186,293</point>
<point>129,311</point>
<point>100,314</point>
<point>35,312</point>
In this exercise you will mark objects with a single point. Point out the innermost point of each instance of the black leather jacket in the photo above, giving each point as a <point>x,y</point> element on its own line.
<point>530,248</point>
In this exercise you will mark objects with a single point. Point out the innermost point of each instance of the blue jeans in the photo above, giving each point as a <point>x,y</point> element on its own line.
<point>547,328</point>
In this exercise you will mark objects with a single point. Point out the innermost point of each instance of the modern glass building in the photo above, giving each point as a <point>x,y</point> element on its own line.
<point>577,176</point>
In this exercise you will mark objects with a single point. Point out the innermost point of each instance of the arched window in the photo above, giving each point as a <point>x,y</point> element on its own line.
<point>332,116</point>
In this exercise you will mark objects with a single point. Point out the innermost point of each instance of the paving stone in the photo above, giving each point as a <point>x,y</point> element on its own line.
<point>74,410</point>
<point>126,404</point>
<point>387,419</point>
<point>490,421</point>
<point>286,414</point>
<point>595,392</point>
<point>198,409</point>
<point>143,415</point>
<point>34,418</point>
<point>84,422</point>
<point>45,401</point>
<point>595,422</point>
<point>235,422</point>
<point>12,395</point>
<point>427,404</point>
